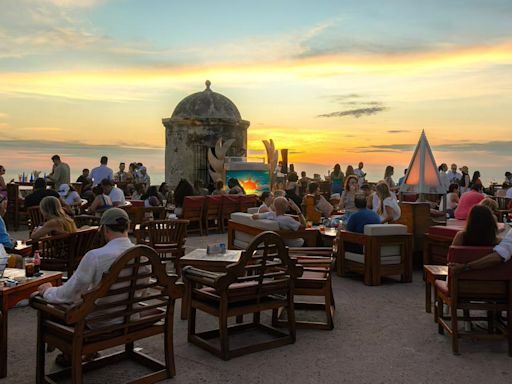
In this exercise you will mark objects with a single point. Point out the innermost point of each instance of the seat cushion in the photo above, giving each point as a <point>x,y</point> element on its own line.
<point>246,219</point>
<point>357,257</point>
<point>441,230</point>
<point>385,229</point>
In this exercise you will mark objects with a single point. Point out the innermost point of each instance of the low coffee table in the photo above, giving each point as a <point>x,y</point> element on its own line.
<point>432,273</point>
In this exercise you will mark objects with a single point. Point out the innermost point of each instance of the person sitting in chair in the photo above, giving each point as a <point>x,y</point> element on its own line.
<point>286,222</point>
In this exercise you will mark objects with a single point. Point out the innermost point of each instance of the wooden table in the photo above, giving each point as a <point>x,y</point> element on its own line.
<point>10,296</point>
<point>22,249</point>
<point>198,258</point>
<point>432,273</point>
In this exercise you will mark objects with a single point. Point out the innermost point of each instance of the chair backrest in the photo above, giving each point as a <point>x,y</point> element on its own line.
<point>489,282</point>
<point>83,241</point>
<point>248,201</point>
<point>385,229</point>
<point>35,216</point>
<point>153,213</point>
<point>166,232</point>
<point>311,213</point>
<point>230,204</point>
<point>86,220</point>
<point>56,252</point>
<point>13,205</point>
<point>263,268</point>
<point>213,206</point>
<point>193,207</point>
<point>114,306</point>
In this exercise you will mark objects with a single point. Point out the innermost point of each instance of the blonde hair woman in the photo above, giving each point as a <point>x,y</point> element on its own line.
<point>385,204</point>
<point>57,221</point>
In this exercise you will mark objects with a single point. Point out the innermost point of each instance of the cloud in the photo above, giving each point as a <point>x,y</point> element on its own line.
<point>357,113</point>
<point>398,131</point>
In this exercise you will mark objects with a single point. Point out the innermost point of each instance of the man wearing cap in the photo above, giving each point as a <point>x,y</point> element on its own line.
<point>114,224</point>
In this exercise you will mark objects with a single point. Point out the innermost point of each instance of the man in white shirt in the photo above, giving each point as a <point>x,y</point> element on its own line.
<point>116,194</point>
<point>115,224</point>
<point>102,172</point>
<point>509,193</point>
<point>453,175</point>
<point>286,222</point>
<point>502,253</point>
<point>360,173</point>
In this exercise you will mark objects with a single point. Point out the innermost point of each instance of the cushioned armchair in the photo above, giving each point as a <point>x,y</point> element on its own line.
<point>382,250</point>
<point>481,290</point>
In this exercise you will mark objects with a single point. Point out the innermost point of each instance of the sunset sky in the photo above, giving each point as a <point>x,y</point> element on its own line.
<point>333,81</point>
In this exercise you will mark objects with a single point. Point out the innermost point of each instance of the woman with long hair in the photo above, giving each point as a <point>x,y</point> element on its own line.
<point>388,173</point>
<point>350,190</point>
<point>57,221</point>
<point>267,199</point>
<point>481,228</point>
<point>452,199</point>
<point>151,197</point>
<point>475,179</point>
<point>337,180</point>
<point>349,171</point>
<point>183,189</point>
<point>385,204</point>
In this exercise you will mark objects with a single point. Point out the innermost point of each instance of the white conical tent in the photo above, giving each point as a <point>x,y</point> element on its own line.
<point>422,175</point>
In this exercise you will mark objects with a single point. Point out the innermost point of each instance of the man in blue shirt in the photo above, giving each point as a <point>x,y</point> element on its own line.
<point>102,172</point>
<point>363,216</point>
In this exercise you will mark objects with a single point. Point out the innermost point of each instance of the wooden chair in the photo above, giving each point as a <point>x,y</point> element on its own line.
<point>35,218</point>
<point>383,250</point>
<point>437,243</point>
<point>64,252</point>
<point>478,290</point>
<point>310,211</point>
<point>230,204</point>
<point>15,215</point>
<point>112,314</point>
<point>314,282</point>
<point>193,211</point>
<point>261,280</point>
<point>248,201</point>
<point>213,213</point>
<point>86,220</point>
<point>166,237</point>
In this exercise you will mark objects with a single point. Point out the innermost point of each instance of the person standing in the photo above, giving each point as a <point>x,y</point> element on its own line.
<point>464,180</point>
<point>337,180</point>
<point>60,172</point>
<point>102,172</point>
<point>360,173</point>
<point>121,176</point>
<point>453,176</point>
<point>443,177</point>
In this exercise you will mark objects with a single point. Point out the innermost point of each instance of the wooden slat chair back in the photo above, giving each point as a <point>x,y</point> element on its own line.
<point>230,204</point>
<point>261,280</point>
<point>83,241</point>
<point>315,281</point>
<point>193,211</point>
<point>482,290</point>
<point>35,217</point>
<point>213,213</point>
<point>14,212</point>
<point>86,220</point>
<point>310,211</point>
<point>248,201</point>
<point>153,213</point>
<point>134,300</point>
<point>166,237</point>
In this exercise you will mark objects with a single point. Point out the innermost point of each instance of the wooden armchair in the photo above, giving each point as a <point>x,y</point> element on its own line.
<point>134,300</point>
<point>86,220</point>
<point>64,252</point>
<point>311,213</point>
<point>315,281</point>
<point>15,214</point>
<point>166,237</point>
<point>35,218</point>
<point>248,201</point>
<point>193,211</point>
<point>230,204</point>
<point>436,244</point>
<point>383,250</point>
<point>213,213</point>
<point>261,280</point>
<point>481,290</point>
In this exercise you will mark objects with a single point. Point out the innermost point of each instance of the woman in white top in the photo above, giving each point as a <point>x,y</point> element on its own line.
<point>385,204</point>
<point>452,199</point>
<point>70,196</point>
<point>267,198</point>
<point>349,193</point>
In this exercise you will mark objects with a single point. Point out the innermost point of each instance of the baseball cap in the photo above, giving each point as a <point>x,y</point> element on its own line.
<point>114,216</point>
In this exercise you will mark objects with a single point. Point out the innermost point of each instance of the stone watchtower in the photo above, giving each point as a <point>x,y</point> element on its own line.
<point>196,124</point>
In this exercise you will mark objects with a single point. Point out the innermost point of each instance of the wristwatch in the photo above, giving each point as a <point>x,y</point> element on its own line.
<point>466,267</point>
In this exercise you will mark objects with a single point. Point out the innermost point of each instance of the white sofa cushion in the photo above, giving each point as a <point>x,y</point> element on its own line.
<point>385,229</point>
<point>246,219</point>
<point>253,210</point>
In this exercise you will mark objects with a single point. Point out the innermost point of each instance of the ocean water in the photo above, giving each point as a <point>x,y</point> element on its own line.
<point>18,156</point>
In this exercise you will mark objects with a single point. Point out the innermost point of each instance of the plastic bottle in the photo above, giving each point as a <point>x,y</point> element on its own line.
<point>37,261</point>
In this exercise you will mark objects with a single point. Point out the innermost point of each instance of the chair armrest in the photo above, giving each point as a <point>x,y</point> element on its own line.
<point>310,251</point>
<point>201,276</point>
<point>59,311</point>
<point>352,237</point>
<point>308,262</point>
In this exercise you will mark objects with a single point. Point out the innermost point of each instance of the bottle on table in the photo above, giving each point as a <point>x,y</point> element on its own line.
<point>37,261</point>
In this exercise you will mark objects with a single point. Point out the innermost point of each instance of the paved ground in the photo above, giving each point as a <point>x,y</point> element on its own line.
<point>381,335</point>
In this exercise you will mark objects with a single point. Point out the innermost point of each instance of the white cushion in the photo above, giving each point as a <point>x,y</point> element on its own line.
<point>253,210</point>
<point>385,229</point>
<point>389,250</point>
<point>246,219</point>
<point>240,244</point>
<point>357,257</point>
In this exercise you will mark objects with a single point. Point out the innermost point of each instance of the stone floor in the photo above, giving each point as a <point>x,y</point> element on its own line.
<point>382,335</point>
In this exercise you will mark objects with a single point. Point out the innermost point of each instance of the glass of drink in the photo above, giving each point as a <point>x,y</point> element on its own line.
<point>321,228</point>
<point>29,267</point>
<point>309,224</point>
